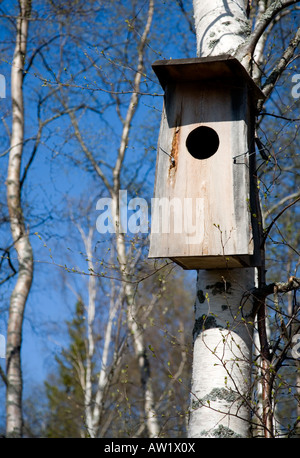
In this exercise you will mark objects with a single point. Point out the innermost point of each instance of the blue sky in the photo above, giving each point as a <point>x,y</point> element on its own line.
<point>53,180</point>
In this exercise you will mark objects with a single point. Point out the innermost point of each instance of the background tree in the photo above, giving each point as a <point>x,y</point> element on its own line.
<point>64,392</point>
<point>19,231</point>
<point>67,90</point>
<point>121,411</point>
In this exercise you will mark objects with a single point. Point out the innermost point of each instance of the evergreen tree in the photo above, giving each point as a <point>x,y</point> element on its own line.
<point>63,390</point>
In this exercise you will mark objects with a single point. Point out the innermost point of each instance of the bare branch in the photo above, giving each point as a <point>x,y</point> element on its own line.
<point>186,15</point>
<point>3,376</point>
<point>134,98</point>
<point>281,117</point>
<point>278,216</point>
<point>87,152</point>
<point>295,195</point>
<point>262,292</point>
<point>37,51</point>
<point>281,65</point>
<point>275,8</point>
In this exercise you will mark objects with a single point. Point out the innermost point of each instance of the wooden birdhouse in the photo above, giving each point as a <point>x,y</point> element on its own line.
<point>203,213</point>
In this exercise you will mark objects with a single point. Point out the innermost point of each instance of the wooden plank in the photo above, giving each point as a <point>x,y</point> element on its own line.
<point>218,185</point>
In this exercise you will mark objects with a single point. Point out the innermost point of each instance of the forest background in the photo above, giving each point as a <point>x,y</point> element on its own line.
<point>86,137</point>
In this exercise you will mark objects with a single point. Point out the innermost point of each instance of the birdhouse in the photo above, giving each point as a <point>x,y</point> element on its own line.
<point>204,211</point>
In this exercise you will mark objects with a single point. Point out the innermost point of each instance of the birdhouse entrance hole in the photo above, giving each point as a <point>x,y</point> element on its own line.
<point>202,142</point>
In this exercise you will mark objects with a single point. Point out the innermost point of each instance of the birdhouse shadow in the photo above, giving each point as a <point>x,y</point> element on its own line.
<point>192,103</point>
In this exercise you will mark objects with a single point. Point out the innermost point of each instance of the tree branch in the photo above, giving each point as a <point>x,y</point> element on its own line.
<point>291,285</point>
<point>275,8</point>
<point>278,216</point>
<point>281,117</point>
<point>134,99</point>
<point>272,79</point>
<point>295,195</point>
<point>87,152</point>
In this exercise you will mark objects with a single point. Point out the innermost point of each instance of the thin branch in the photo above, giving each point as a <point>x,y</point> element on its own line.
<point>295,195</point>
<point>134,99</point>
<point>275,8</point>
<point>3,376</point>
<point>280,117</point>
<point>281,287</point>
<point>42,124</point>
<point>14,271</point>
<point>269,84</point>
<point>278,216</point>
<point>88,153</point>
<point>37,51</point>
<point>186,15</point>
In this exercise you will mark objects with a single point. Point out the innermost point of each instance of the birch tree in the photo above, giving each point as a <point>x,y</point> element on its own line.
<point>19,164</point>
<point>19,231</point>
<point>222,337</point>
<point>124,264</point>
<point>52,85</point>
<point>138,341</point>
<point>94,399</point>
<point>112,183</point>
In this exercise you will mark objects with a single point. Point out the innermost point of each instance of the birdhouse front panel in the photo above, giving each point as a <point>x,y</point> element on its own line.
<point>201,214</point>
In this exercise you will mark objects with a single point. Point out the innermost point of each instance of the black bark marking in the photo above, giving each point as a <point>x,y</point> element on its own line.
<point>200,295</point>
<point>220,287</point>
<point>204,322</point>
<point>222,394</point>
<point>224,432</point>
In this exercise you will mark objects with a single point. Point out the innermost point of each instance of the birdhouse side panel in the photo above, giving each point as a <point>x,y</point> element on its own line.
<point>165,207</point>
<point>243,157</point>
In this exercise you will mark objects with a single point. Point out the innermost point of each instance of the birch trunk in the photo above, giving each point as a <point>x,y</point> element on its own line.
<point>135,330</point>
<point>93,402</point>
<point>114,189</point>
<point>221,27</point>
<point>222,355</point>
<point>91,306</point>
<point>222,333</point>
<point>19,233</point>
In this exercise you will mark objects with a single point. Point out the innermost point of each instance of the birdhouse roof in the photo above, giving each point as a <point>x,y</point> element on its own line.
<point>224,69</point>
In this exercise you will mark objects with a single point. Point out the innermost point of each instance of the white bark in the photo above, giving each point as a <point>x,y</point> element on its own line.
<point>220,26</point>
<point>88,384</point>
<point>258,55</point>
<point>93,403</point>
<point>222,355</point>
<point>19,234</point>
<point>132,320</point>
<point>223,338</point>
<point>135,330</point>
<point>103,378</point>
